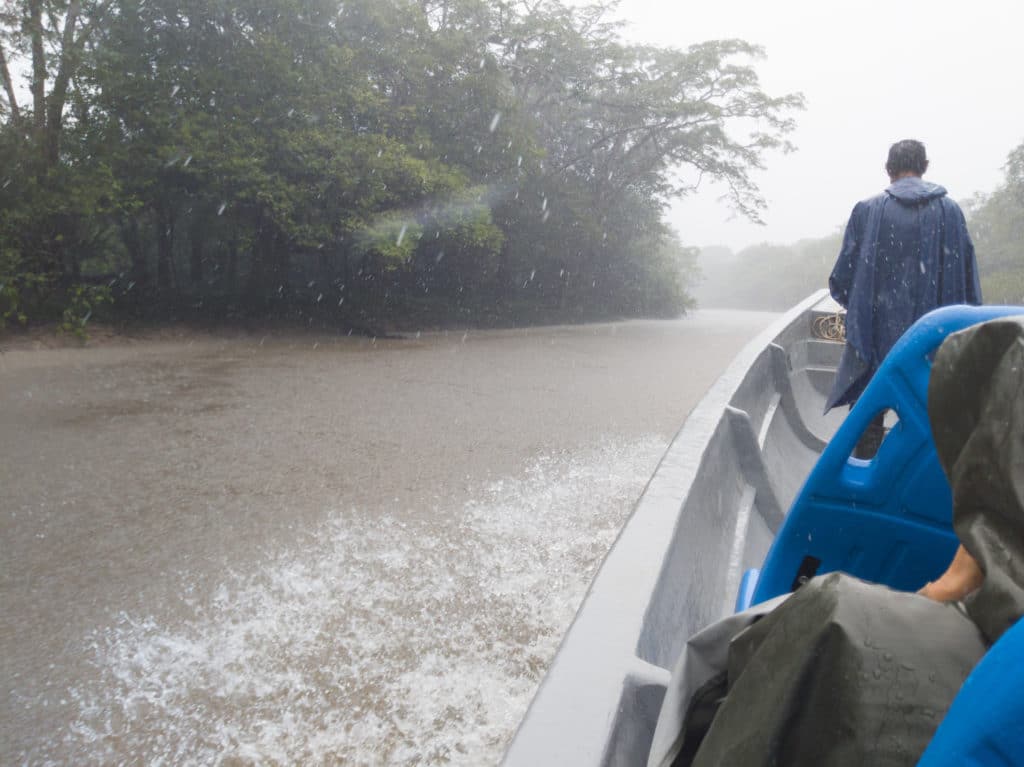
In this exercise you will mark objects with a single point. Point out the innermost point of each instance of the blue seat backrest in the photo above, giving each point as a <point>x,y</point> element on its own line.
<point>888,519</point>
<point>985,725</point>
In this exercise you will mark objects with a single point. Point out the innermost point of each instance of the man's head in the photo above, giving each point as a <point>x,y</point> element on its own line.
<point>906,158</point>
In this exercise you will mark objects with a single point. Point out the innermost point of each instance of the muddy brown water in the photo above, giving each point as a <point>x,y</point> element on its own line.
<point>317,550</point>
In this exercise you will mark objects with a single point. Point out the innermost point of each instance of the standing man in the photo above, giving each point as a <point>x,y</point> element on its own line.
<point>906,251</point>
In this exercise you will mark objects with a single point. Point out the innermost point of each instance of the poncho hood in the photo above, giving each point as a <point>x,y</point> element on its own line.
<point>914,191</point>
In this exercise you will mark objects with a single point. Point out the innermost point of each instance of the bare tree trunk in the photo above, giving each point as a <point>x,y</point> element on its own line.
<point>282,263</point>
<point>35,28</point>
<point>257,282</point>
<point>165,250</point>
<point>48,112</point>
<point>231,276</point>
<point>133,243</point>
<point>59,93</point>
<point>195,262</point>
<point>12,100</point>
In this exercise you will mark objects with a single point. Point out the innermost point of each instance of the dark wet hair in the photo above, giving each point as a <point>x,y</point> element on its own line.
<point>907,155</point>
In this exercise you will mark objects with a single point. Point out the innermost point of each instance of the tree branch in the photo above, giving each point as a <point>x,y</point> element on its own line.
<point>71,47</point>
<point>35,27</point>
<point>12,100</point>
<point>55,103</point>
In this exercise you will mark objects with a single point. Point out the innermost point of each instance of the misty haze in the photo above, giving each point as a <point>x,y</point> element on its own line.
<point>338,340</point>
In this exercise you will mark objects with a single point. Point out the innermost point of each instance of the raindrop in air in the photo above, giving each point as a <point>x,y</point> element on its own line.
<point>494,121</point>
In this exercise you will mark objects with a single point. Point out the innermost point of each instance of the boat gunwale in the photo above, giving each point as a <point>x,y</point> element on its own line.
<point>600,653</point>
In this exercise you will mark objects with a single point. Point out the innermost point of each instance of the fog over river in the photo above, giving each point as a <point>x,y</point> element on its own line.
<point>309,549</point>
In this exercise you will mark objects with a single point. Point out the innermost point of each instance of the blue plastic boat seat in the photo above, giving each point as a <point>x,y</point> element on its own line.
<point>747,586</point>
<point>889,519</point>
<point>985,725</point>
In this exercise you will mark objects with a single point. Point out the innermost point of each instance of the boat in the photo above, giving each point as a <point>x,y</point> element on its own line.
<point>757,492</point>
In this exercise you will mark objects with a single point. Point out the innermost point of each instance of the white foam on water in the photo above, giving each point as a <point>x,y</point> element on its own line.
<point>395,639</point>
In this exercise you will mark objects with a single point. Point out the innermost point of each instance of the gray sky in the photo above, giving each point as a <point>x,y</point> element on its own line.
<point>873,72</point>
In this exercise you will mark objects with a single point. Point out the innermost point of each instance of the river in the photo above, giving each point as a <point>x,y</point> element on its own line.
<point>285,549</point>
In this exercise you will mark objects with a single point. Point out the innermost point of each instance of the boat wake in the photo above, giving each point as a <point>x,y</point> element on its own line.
<point>399,637</point>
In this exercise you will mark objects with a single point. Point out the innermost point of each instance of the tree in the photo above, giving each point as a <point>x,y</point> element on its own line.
<point>996,222</point>
<point>506,158</point>
<point>55,35</point>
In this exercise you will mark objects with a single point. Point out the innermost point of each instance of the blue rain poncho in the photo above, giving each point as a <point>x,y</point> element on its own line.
<point>905,252</point>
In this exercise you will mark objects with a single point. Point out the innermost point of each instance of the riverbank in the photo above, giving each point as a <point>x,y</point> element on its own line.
<point>51,335</point>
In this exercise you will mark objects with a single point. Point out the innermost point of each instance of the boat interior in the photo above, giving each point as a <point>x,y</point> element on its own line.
<point>759,491</point>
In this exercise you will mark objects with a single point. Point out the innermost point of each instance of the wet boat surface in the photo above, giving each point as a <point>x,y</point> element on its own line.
<point>709,513</point>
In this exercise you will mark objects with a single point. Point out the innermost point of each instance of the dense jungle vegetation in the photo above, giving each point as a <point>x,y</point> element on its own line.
<point>775,277</point>
<point>355,162</point>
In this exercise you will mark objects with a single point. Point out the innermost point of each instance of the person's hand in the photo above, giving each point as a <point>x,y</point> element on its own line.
<point>962,577</point>
<point>942,591</point>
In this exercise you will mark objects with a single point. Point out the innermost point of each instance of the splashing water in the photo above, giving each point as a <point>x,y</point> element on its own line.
<point>402,638</point>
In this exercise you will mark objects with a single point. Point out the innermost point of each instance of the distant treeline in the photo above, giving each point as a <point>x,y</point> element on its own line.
<point>767,277</point>
<point>357,161</point>
<point>996,222</point>
<point>775,277</point>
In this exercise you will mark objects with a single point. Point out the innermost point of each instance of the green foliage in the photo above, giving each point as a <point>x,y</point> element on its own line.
<point>391,239</point>
<point>259,156</point>
<point>12,300</point>
<point>463,251</point>
<point>80,303</point>
<point>766,276</point>
<point>996,222</point>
